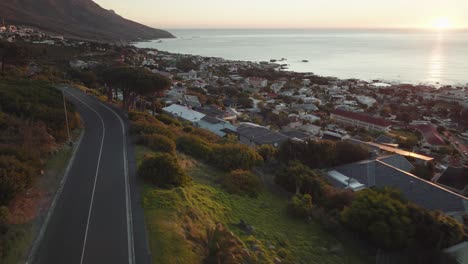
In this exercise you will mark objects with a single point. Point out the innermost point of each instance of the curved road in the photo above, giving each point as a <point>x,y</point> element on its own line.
<point>97,216</point>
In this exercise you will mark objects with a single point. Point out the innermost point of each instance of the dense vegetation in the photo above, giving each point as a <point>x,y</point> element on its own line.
<point>322,154</point>
<point>32,127</point>
<point>411,233</point>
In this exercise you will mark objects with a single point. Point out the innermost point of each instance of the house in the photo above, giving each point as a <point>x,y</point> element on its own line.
<point>458,252</point>
<point>386,140</point>
<point>183,112</point>
<point>296,134</point>
<point>384,172</point>
<point>455,179</point>
<point>257,82</point>
<point>191,101</point>
<point>366,100</point>
<point>78,64</point>
<point>256,135</point>
<point>432,138</point>
<point>381,148</point>
<point>188,75</point>
<point>216,111</point>
<point>216,125</point>
<point>361,120</point>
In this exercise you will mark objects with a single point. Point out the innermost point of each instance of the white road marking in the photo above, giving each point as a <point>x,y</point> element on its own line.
<point>130,242</point>
<point>95,177</point>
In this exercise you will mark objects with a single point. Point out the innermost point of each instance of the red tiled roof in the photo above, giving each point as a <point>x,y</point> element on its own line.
<point>430,134</point>
<point>363,118</point>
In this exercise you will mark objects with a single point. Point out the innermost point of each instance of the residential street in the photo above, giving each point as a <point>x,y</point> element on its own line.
<point>97,218</point>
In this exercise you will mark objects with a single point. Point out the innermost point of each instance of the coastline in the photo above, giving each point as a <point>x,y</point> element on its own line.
<point>417,57</point>
<point>377,80</point>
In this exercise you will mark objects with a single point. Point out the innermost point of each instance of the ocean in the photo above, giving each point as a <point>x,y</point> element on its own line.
<point>411,56</point>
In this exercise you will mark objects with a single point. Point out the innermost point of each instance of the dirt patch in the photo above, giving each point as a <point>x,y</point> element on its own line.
<point>27,206</point>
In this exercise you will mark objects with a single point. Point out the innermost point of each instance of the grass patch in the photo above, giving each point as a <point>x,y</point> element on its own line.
<point>177,218</point>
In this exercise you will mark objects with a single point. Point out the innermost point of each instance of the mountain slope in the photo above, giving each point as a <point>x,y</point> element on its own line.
<point>82,19</point>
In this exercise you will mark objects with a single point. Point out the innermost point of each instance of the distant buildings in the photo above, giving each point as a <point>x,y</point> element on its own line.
<point>255,135</point>
<point>257,82</point>
<point>361,120</point>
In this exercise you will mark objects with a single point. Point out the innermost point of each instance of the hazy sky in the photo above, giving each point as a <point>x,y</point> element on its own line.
<point>292,13</point>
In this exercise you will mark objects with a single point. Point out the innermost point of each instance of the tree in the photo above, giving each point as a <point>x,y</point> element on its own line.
<point>385,221</point>
<point>242,182</point>
<point>163,170</point>
<point>301,205</point>
<point>133,82</point>
<point>268,152</point>
<point>297,177</point>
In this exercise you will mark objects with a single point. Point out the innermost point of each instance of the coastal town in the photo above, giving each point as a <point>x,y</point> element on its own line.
<point>417,135</point>
<point>262,104</point>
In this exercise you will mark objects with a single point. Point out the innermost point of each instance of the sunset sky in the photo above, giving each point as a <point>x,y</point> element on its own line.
<point>293,13</point>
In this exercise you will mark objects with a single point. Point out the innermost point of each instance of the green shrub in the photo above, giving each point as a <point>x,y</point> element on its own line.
<point>187,129</point>
<point>158,143</point>
<point>195,147</point>
<point>168,120</point>
<point>301,205</point>
<point>242,182</point>
<point>163,170</point>
<point>235,156</point>
<point>205,134</point>
<point>147,128</point>
<point>141,116</point>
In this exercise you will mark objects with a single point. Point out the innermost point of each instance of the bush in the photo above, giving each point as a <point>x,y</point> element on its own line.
<point>195,147</point>
<point>163,170</point>
<point>205,134</point>
<point>147,128</point>
<point>268,152</point>
<point>235,156</point>
<point>168,120</point>
<point>15,177</point>
<point>158,143</point>
<point>242,182</point>
<point>301,205</point>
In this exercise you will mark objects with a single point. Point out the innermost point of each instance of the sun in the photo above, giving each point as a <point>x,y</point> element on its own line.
<point>442,23</point>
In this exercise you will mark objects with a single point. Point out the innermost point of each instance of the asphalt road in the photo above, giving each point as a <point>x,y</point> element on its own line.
<point>97,217</point>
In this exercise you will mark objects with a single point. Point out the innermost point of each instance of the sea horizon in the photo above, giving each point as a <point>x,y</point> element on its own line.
<point>405,55</point>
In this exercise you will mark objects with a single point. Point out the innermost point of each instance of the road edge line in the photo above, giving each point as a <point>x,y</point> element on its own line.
<point>58,193</point>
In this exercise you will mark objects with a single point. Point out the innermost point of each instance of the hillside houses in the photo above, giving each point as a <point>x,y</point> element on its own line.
<point>361,120</point>
<point>394,172</point>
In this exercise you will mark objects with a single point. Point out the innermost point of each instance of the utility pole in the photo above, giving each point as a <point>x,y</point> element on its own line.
<point>66,114</point>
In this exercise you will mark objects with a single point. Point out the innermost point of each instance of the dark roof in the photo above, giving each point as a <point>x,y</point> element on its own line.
<point>454,177</point>
<point>211,120</point>
<point>211,111</point>
<point>398,161</point>
<point>261,135</point>
<point>296,134</point>
<point>383,139</point>
<point>363,118</point>
<point>421,192</point>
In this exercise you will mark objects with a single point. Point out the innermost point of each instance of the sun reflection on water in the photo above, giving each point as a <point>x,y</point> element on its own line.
<point>436,61</point>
